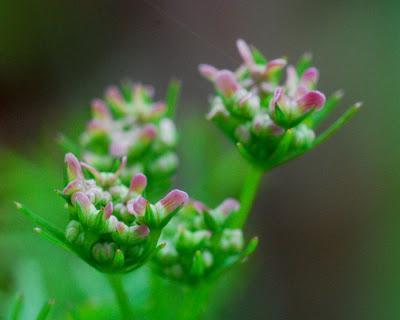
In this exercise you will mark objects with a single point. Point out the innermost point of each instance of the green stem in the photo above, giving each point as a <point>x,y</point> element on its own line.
<point>121,296</point>
<point>248,196</point>
<point>196,302</point>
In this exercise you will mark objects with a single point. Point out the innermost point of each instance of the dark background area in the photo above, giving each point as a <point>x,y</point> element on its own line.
<point>327,220</point>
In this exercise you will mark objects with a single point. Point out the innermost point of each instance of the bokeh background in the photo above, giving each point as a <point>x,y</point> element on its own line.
<point>328,222</point>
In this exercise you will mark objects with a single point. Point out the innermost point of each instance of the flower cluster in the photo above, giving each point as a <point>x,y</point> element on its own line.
<point>113,226</point>
<point>269,121</point>
<point>127,123</point>
<point>200,244</point>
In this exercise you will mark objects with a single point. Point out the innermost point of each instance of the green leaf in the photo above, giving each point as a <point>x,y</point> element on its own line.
<point>173,91</point>
<point>45,310</point>
<point>16,307</point>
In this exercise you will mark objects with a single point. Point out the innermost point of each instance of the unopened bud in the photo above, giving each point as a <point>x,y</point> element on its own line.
<point>138,183</point>
<point>74,169</point>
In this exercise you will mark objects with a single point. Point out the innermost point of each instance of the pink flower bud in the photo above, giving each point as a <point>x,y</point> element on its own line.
<point>275,65</point>
<point>81,199</point>
<point>138,183</point>
<point>208,71</point>
<point>158,109</point>
<point>174,200</point>
<point>137,206</point>
<point>96,126</point>
<point>312,99</point>
<point>119,148</point>
<point>277,96</point>
<point>149,132</point>
<point>108,210</point>
<point>228,206</point>
<point>74,169</point>
<point>114,94</point>
<point>141,231</point>
<point>72,187</point>
<point>310,77</point>
<point>226,82</point>
<point>100,110</point>
<point>199,206</point>
<point>245,52</point>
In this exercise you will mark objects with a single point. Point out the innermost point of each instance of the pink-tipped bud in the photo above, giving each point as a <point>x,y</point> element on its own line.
<point>199,206</point>
<point>228,206</point>
<point>208,71</point>
<point>72,187</point>
<point>81,199</point>
<point>96,126</point>
<point>119,148</point>
<point>137,206</point>
<point>158,109</point>
<point>74,169</point>
<point>174,200</point>
<point>311,100</point>
<point>113,93</point>
<point>310,77</point>
<point>108,210</point>
<point>138,183</point>
<point>100,110</point>
<point>245,52</point>
<point>275,65</point>
<point>226,82</point>
<point>149,132</point>
<point>277,96</point>
<point>141,231</point>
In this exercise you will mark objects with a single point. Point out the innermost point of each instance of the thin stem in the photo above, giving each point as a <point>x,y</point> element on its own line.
<point>121,296</point>
<point>196,302</point>
<point>248,196</point>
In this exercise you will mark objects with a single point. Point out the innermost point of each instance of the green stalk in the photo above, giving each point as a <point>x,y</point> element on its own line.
<point>248,196</point>
<point>196,302</point>
<point>121,296</point>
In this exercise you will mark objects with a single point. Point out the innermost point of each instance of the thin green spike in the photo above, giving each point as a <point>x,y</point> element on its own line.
<point>337,124</point>
<point>318,117</point>
<point>45,310</point>
<point>45,229</point>
<point>16,307</point>
<point>173,92</point>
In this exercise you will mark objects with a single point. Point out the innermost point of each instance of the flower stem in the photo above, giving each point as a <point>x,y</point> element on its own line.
<point>248,196</point>
<point>121,296</point>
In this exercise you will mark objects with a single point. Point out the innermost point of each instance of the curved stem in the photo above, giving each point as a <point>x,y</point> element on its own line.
<point>248,196</point>
<point>121,296</point>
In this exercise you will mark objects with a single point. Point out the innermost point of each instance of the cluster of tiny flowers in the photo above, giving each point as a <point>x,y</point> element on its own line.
<point>128,123</point>
<point>199,244</point>
<point>258,112</point>
<point>112,226</point>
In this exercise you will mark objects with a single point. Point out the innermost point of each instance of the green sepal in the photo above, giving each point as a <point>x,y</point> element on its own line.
<point>198,267</point>
<point>258,57</point>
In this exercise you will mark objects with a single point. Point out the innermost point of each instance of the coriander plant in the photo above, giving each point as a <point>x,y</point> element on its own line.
<point>120,209</point>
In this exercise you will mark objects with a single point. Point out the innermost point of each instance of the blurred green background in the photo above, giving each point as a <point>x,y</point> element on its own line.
<point>328,222</point>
